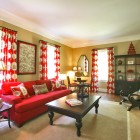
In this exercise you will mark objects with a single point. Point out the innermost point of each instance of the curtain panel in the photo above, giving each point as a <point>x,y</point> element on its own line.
<point>85,62</point>
<point>57,60</point>
<point>43,70</point>
<point>110,82</point>
<point>43,60</point>
<point>8,54</point>
<point>94,71</point>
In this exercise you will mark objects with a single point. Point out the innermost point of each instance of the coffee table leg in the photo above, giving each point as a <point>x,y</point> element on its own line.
<point>51,114</point>
<point>9,118</point>
<point>96,107</point>
<point>78,125</point>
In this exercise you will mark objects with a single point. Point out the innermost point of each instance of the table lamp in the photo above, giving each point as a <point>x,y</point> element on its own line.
<point>62,77</point>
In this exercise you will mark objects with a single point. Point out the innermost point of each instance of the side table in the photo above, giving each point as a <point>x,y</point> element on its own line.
<point>6,107</point>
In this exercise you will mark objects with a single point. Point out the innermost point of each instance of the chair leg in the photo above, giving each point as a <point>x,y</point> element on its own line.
<point>130,108</point>
<point>123,100</point>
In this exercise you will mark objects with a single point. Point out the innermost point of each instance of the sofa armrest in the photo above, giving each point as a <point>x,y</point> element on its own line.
<point>11,99</point>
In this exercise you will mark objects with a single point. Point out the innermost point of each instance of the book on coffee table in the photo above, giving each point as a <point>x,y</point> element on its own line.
<point>73,102</point>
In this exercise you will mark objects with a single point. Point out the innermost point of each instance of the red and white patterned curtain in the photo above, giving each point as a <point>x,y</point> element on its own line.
<point>8,55</point>
<point>110,82</point>
<point>86,67</point>
<point>43,60</point>
<point>94,71</point>
<point>57,61</point>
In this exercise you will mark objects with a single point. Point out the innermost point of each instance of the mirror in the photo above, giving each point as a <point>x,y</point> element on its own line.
<point>83,64</point>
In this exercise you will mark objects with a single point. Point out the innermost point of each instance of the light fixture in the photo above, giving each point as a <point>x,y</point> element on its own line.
<point>2,66</point>
<point>79,68</point>
<point>74,68</point>
<point>62,77</point>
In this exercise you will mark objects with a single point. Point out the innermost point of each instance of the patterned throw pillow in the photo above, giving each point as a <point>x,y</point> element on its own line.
<point>20,91</point>
<point>40,89</point>
<point>56,85</point>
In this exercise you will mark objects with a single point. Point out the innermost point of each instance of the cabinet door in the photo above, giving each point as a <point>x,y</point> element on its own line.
<point>127,87</point>
<point>137,68</point>
<point>119,85</point>
<point>130,68</point>
<point>130,87</point>
<point>120,68</point>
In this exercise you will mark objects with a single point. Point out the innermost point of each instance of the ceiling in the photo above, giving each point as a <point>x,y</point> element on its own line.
<point>76,23</point>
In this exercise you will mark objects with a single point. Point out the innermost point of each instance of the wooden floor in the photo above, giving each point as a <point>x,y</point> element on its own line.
<point>109,97</point>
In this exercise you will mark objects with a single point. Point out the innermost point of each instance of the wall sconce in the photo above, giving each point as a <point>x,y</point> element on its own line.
<point>74,68</point>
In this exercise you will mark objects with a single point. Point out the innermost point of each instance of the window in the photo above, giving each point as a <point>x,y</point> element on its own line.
<point>51,61</point>
<point>102,65</point>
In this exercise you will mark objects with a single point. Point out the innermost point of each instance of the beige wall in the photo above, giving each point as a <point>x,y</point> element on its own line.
<point>119,49</point>
<point>27,36</point>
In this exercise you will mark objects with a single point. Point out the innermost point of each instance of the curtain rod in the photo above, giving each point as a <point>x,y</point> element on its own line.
<point>49,43</point>
<point>102,48</point>
<point>7,28</point>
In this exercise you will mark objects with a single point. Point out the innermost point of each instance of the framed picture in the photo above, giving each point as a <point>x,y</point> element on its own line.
<point>120,77</point>
<point>26,57</point>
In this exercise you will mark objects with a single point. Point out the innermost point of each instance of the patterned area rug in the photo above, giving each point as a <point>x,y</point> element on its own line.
<point>109,124</point>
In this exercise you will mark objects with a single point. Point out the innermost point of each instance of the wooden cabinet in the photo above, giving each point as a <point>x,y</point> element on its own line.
<point>127,73</point>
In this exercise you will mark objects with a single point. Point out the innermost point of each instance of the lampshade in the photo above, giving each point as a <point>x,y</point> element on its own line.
<point>2,66</point>
<point>74,68</point>
<point>79,68</point>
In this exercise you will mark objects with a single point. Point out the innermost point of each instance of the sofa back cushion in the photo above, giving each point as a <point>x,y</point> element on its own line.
<point>29,87</point>
<point>40,89</point>
<point>6,87</point>
<point>20,91</point>
<point>56,85</point>
<point>48,83</point>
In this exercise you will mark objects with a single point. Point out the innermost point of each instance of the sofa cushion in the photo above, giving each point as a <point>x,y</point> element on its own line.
<point>56,85</point>
<point>60,93</point>
<point>48,83</point>
<point>33,102</point>
<point>20,91</point>
<point>40,89</point>
<point>6,87</point>
<point>11,99</point>
<point>29,87</point>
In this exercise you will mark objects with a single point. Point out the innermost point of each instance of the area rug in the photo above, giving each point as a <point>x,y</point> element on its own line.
<point>109,124</point>
<point>133,124</point>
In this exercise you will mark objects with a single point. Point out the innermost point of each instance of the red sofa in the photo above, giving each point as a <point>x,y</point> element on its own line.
<point>26,109</point>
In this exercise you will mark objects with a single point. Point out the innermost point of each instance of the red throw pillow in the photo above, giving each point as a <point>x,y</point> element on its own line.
<point>20,91</point>
<point>56,85</point>
<point>63,87</point>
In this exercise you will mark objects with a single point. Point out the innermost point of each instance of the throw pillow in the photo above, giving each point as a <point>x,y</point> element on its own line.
<point>40,89</point>
<point>20,91</point>
<point>136,95</point>
<point>63,87</point>
<point>56,85</point>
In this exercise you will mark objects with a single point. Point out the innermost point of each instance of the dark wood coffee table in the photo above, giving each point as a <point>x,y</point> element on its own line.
<point>77,112</point>
<point>6,107</point>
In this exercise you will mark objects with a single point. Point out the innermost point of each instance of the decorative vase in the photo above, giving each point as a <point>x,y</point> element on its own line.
<point>119,62</point>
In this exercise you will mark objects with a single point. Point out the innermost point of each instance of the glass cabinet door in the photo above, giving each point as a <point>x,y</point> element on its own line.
<point>130,68</point>
<point>120,68</point>
<point>138,68</point>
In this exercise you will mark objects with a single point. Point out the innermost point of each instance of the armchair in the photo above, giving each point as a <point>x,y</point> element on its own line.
<point>70,85</point>
<point>133,98</point>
